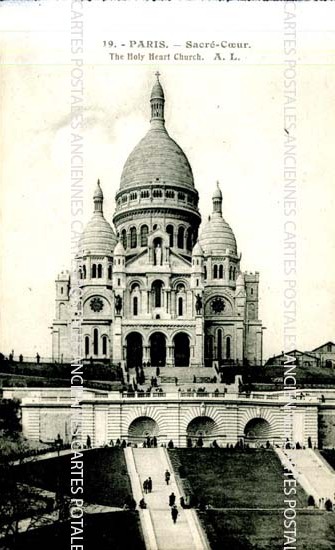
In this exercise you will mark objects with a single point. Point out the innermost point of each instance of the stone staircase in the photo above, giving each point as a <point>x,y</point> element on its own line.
<point>159,530</point>
<point>310,470</point>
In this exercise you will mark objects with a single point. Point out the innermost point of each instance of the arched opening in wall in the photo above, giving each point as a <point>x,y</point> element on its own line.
<point>205,272</point>
<point>87,346</point>
<point>135,305</point>
<point>221,271</point>
<point>202,427</point>
<point>62,311</point>
<point>134,350</point>
<point>133,237</point>
<point>141,428</point>
<point>170,232</point>
<point>215,272</point>
<point>95,341</point>
<point>157,291</point>
<point>181,350</point>
<point>228,347</point>
<point>257,432</point>
<point>251,311</point>
<point>144,235</point>
<point>109,272</point>
<point>157,349</point>
<point>209,346</point>
<point>99,271</point>
<point>180,307</point>
<point>181,236</point>
<point>219,344</point>
<point>124,238</point>
<point>104,345</point>
<point>84,271</point>
<point>94,271</point>
<point>189,240</point>
<point>230,273</point>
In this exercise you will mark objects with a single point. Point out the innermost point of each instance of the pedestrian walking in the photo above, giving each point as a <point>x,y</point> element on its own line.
<point>172,499</point>
<point>149,484</point>
<point>167,477</point>
<point>174,513</point>
<point>145,486</point>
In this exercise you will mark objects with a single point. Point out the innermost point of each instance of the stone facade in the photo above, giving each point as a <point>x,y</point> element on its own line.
<point>153,291</point>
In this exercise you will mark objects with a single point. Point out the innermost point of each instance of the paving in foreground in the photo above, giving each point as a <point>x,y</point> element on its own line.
<point>160,533</point>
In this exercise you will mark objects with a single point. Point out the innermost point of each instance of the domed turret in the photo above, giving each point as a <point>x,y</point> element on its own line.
<point>98,236</point>
<point>216,235</point>
<point>119,249</point>
<point>197,250</point>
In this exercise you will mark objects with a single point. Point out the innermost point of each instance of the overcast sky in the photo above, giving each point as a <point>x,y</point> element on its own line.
<point>229,122</point>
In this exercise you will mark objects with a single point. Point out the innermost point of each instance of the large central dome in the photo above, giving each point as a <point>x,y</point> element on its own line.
<point>157,158</point>
<point>157,182</point>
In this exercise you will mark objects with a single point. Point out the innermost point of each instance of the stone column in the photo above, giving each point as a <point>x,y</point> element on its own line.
<point>198,358</point>
<point>239,344</point>
<point>117,340</point>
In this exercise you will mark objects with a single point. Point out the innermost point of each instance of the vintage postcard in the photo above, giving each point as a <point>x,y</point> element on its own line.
<point>167,367</point>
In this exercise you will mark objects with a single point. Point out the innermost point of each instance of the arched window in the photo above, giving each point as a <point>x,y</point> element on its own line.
<point>169,230</point>
<point>189,239</point>
<point>84,271</point>
<point>215,272</point>
<point>94,271</point>
<point>157,291</point>
<point>205,272</point>
<point>99,271</point>
<point>230,273</point>
<point>221,271</point>
<point>234,273</point>
<point>109,272</point>
<point>124,238</point>
<point>95,341</point>
<point>219,344</point>
<point>181,234</point>
<point>61,290</point>
<point>228,347</point>
<point>133,237</point>
<point>144,235</point>
<point>87,346</point>
<point>104,345</point>
<point>180,307</point>
<point>135,305</point>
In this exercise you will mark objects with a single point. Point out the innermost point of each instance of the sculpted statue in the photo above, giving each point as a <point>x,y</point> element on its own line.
<point>198,304</point>
<point>158,254</point>
<point>118,304</point>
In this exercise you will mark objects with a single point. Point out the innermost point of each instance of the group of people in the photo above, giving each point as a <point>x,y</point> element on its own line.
<point>147,485</point>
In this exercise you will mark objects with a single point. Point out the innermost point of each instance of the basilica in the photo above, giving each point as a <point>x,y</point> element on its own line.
<point>158,287</point>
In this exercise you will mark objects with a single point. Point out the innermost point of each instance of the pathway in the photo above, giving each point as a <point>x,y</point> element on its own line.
<point>315,477</point>
<point>159,530</point>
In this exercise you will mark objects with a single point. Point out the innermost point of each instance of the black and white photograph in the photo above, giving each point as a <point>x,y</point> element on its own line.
<point>167,348</point>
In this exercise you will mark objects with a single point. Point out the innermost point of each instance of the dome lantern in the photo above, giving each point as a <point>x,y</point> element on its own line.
<point>217,200</point>
<point>157,101</point>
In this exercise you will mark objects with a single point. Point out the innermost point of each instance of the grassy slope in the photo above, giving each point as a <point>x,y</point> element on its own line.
<point>105,474</point>
<point>248,479</point>
<point>233,478</point>
<point>117,531</point>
